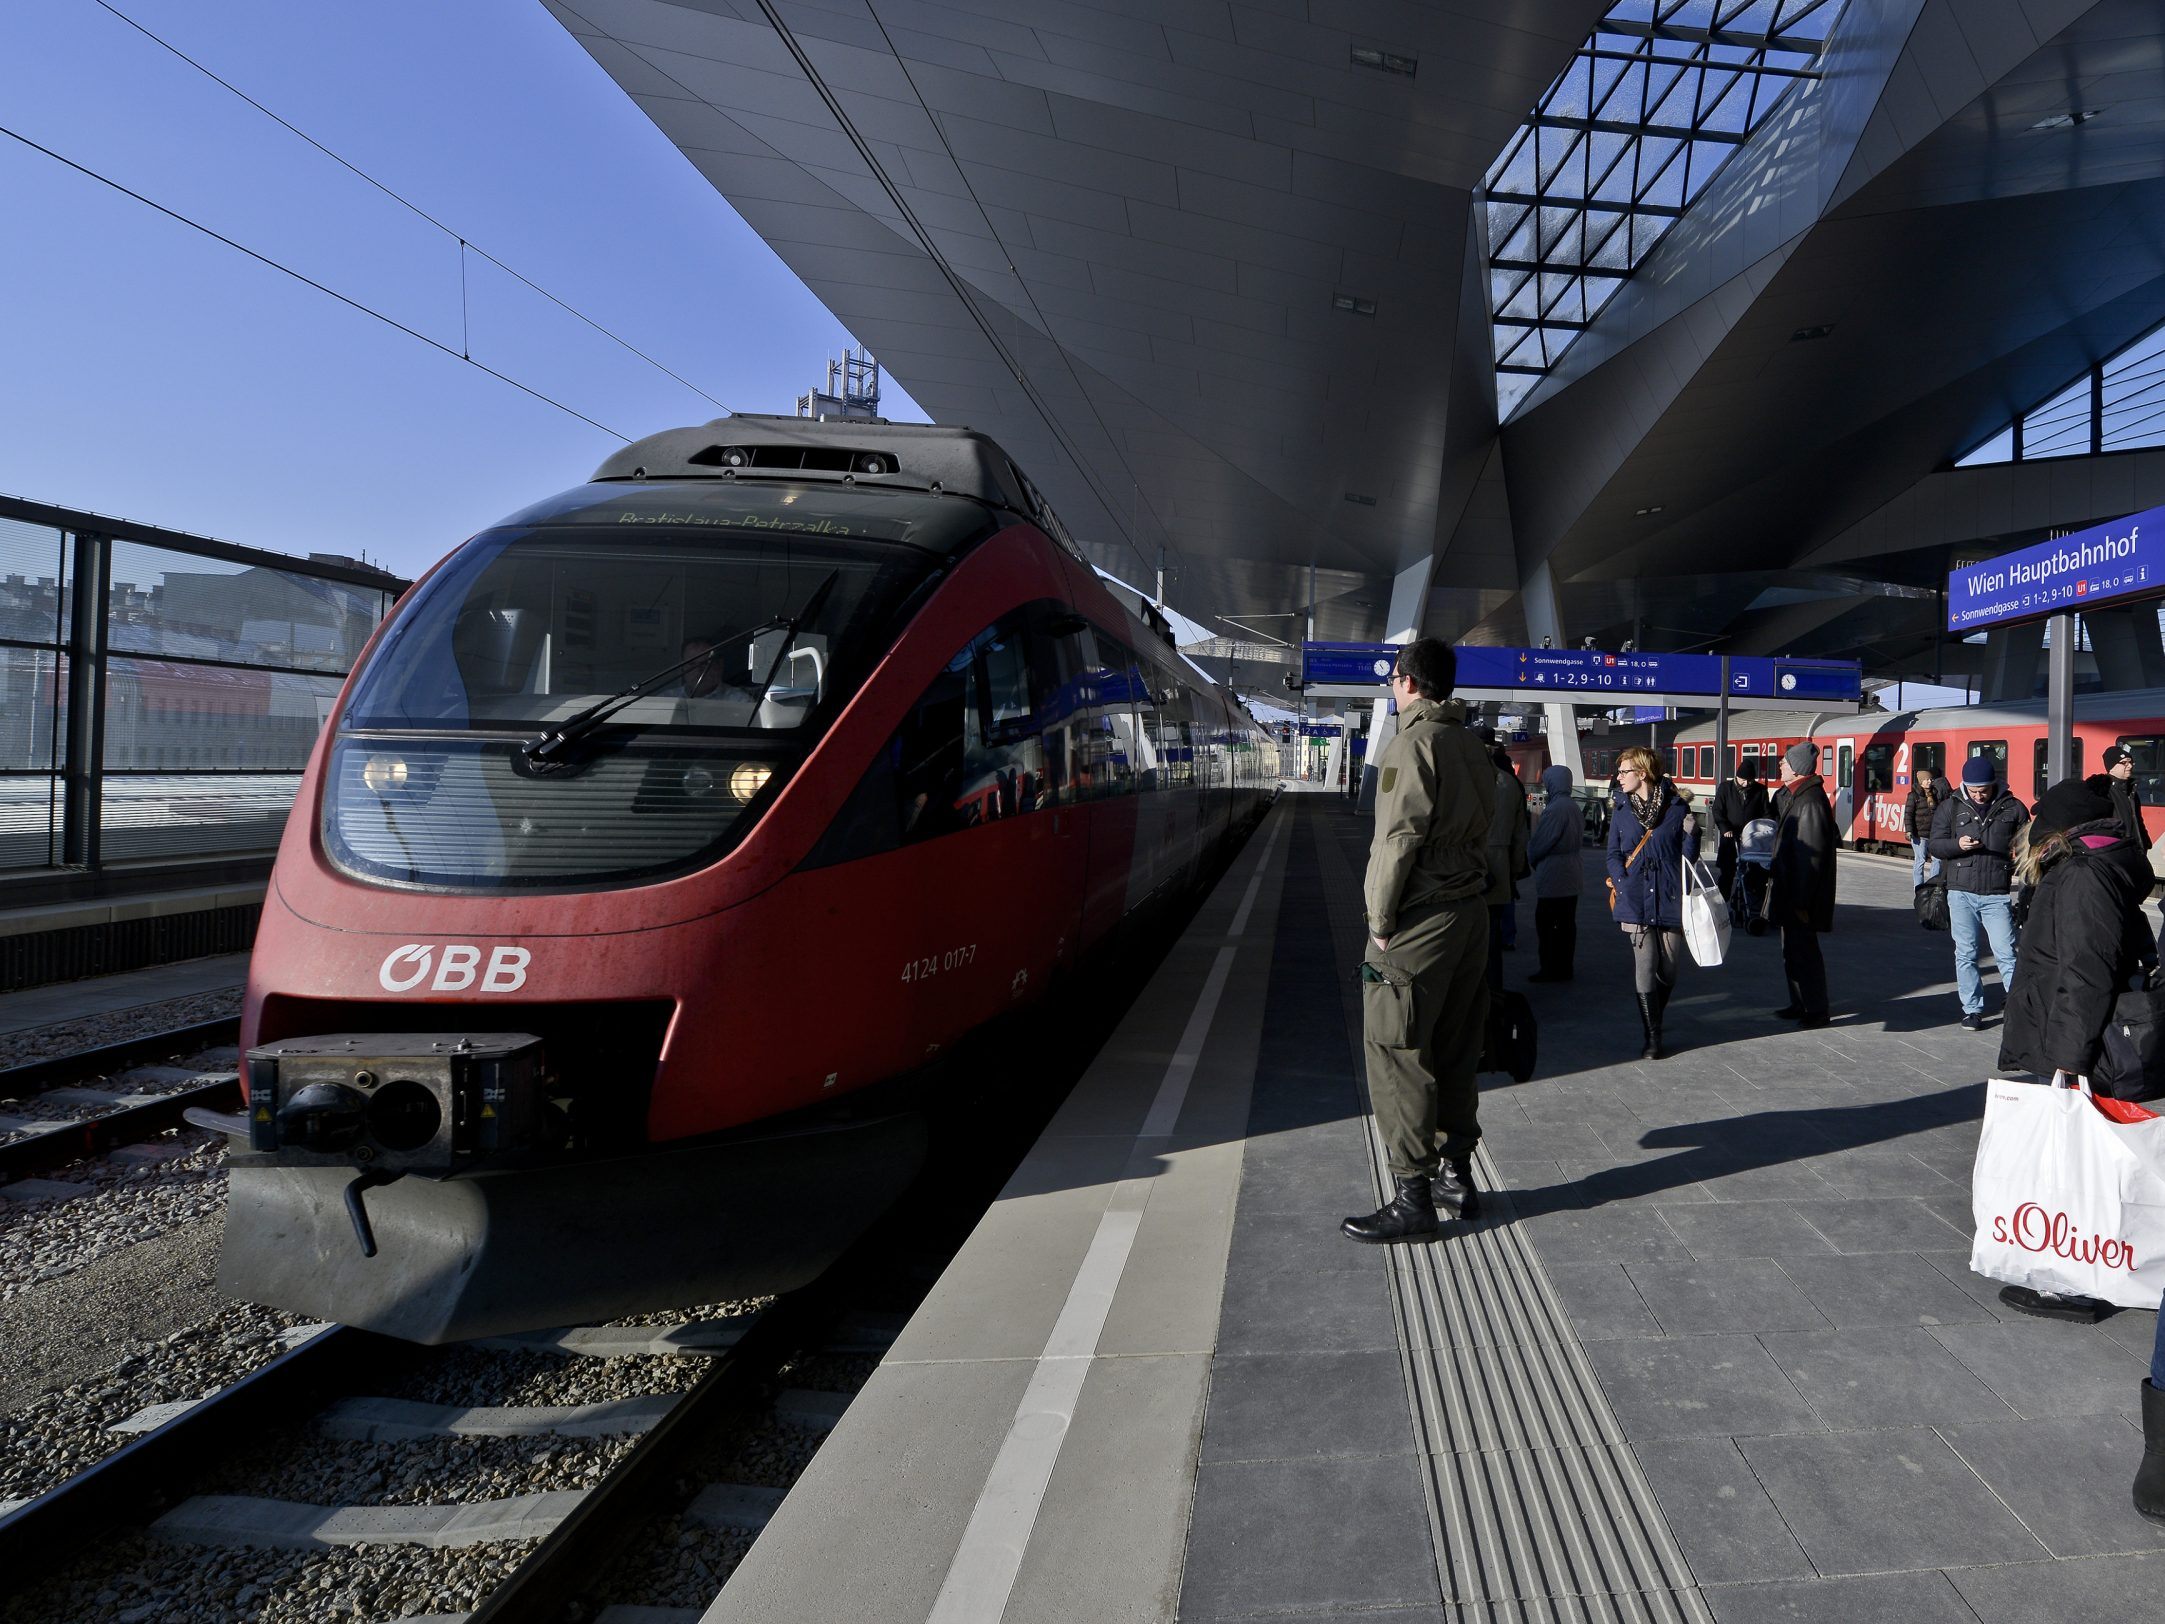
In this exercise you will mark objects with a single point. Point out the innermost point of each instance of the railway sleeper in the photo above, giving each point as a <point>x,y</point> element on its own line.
<point>391,1420</point>
<point>239,1519</point>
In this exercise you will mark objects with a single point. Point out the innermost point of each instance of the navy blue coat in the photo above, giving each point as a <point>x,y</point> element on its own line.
<point>1651,890</point>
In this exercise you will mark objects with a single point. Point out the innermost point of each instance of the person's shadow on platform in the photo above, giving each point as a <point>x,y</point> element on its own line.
<point>1725,1146</point>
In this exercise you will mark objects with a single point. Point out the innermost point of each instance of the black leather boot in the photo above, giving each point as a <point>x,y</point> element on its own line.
<point>1454,1188</point>
<point>1661,1009</point>
<point>1794,1009</point>
<point>1650,1024</point>
<point>2150,1476</point>
<point>1410,1215</point>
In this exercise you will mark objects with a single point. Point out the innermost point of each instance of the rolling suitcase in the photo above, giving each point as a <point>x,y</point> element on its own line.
<point>1511,1041</point>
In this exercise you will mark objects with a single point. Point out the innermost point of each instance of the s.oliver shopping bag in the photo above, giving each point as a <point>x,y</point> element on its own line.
<point>1706,916</point>
<point>2069,1194</point>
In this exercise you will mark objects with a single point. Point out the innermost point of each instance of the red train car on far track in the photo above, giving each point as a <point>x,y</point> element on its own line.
<point>1871,758</point>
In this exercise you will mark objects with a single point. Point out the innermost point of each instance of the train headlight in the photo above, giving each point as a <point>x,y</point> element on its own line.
<point>747,779</point>
<point>386,775</point>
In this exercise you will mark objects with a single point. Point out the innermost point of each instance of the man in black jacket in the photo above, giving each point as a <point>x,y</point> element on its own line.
<point>2126,807</point>
<point>1736,803</point>
<point>1973,836</point>
<point>1802,899</point>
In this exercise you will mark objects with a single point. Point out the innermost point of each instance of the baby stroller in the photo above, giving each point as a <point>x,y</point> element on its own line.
<point>1755,858</point>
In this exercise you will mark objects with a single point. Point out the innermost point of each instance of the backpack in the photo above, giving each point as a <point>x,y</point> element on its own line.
<point>1511,1040</point>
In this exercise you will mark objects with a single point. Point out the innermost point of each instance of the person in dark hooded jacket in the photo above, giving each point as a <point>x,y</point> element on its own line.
<point>2085,944</point>
<point>2086,936</point>
<point>1736,803</point>
<point>1801,882</point>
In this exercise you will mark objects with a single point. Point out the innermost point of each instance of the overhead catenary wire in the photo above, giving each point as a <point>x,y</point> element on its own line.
<point>308,281</point>
<point>465,247</point>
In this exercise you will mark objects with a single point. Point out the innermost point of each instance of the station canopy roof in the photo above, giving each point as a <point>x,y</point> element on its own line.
<point>1690,304</point>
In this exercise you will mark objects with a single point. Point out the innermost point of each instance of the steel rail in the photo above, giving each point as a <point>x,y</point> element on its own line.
<point>71,1140</point>
<point>577,1553</point>
<point>33,1075</point>
<point>128,1486</point>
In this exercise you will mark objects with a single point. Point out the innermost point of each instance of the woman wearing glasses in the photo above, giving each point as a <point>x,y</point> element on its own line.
<point>1647,835</point>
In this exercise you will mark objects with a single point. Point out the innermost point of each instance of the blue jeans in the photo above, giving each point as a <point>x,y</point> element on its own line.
<point>1966,912</point>
<point>1919,864</point>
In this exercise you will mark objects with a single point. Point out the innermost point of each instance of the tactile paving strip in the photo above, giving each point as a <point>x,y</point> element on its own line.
<point>1539,1509</point>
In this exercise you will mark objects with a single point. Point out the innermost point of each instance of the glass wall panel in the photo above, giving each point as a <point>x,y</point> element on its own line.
<point>2060,427</point>
<point>29,820</point>
<point>2000,448</point>
<point>167,715</point>
<point>194,814</point>
<point>2134,395</point>
<point>33,582</point>
<point>165,602</point>
<point>33,709</point>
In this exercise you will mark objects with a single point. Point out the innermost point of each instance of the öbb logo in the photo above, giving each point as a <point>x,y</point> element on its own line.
<point>2034,1229</point>
<point>405,968</point>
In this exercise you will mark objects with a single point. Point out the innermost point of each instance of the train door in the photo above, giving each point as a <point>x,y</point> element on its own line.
<point>1845,801</point>
<point>1059,653</point>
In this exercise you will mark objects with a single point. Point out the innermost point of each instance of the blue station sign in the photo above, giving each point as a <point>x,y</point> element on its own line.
<point>1352,663</point>
<point>2114,562</point>
<point>1563,675</point>
<point>1569,672</point>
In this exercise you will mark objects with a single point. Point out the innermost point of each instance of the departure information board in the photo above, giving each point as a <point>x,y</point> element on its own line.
<point>1579,675</point>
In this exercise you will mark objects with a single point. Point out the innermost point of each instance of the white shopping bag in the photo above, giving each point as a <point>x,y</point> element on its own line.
<point>1706,915</point>
<point>2068,1199</point>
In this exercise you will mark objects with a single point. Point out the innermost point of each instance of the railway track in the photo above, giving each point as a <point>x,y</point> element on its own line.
<point>660,1484</point>
<point>117,1094</point>
<point>574,1534</point>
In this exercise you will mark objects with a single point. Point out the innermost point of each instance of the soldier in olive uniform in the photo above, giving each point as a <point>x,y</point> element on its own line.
<point>1424,991</point>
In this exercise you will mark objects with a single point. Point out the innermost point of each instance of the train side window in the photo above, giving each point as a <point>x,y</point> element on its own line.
<point>1878,767</point>
<point>2040,771</point>
<point>2148,754</point>
<point>1927,761</point>
<point>1995,748</point>
<point>1844,755</point>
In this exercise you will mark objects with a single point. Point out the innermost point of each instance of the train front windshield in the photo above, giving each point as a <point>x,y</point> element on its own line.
<point>773,593</point>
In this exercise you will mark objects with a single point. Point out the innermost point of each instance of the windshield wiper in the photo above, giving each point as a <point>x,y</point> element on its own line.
<point>546,748</point>
<point>781,649</point>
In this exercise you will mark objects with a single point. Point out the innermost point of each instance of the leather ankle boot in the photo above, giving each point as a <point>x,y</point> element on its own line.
<point>2150,1476</point>
<point>1794,1009</point>
<point>1410,1215</point>
<point>1650,1023</point>
<point>1454,1187</point>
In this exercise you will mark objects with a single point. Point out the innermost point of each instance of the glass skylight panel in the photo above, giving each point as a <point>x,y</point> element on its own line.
<point>1645,115</point>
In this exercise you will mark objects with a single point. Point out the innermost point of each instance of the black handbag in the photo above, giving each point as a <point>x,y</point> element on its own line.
<point>1931,904</point>
<point>2131,1051</point>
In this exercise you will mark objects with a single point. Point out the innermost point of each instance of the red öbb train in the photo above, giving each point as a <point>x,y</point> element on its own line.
<point>661,818</point>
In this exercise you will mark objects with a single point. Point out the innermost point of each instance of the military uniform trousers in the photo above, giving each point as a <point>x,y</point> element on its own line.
<point>1424,1006</point>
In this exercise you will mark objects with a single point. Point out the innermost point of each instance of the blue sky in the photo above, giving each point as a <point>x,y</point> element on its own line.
<point>153,373</point>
